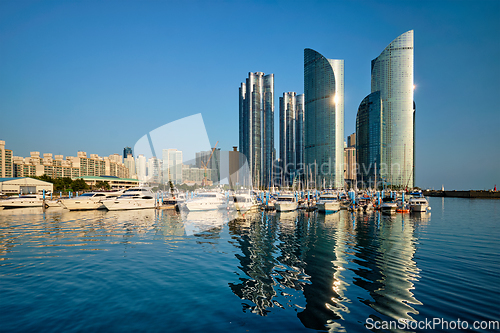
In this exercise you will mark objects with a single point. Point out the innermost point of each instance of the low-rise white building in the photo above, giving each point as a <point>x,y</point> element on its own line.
<point>24,185</point>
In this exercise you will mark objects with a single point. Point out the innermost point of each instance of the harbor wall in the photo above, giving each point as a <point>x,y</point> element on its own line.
<point>464,194</point>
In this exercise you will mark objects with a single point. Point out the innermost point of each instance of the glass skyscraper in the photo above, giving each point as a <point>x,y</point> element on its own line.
<point>291,136</point>
<point>127,151</point>
<point>324,119</point>
<point>385,120</point>
<point>257,126</point>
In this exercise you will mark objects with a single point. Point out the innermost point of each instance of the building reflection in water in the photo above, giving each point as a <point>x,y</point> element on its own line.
<point>257,244</point>
<point>320,264</point>
<point>55,229</point>
<point>386,269</point>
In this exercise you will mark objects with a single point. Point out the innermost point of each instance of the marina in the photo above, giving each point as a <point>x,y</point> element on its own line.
<point>155,270</point>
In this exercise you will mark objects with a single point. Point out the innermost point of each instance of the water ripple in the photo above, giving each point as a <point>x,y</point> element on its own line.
<point>131,271</point>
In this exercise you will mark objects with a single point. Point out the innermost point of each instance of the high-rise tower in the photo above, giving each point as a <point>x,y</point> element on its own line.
<point>127,151</point>
<point>385,119</point>
<point>291,135</point>
<point>324,119</point>
<point>257,125</point>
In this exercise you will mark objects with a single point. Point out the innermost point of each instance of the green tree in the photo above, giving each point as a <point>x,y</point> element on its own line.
<point>79,185</point>
<point>102,185</point>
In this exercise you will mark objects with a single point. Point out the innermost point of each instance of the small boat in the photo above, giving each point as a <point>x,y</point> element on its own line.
<point>389,205</point>
<point>365,204</point>
<point>403,207</point>
<point>174,201</point>
<point>243,202</point>
<point>328,203</point>
<point>206,201</point>
<point>285,203</point>
<point>419,204</point>
<point>132,198</point>
<point>52,203</point>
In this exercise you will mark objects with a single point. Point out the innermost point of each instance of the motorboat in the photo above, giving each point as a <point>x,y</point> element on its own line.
<point>328,203</point>
<point>419,204</point>
<point>243,202</point>
<point>174,200</point>
<point>89,200</point>
<point>52,203</point>
<point>389,205</point>
<point>365,204</point>
<point>206,201</point>
<point>286,202</point>
<point>403,207</point>
<point>132,198</point>
<point>23,201</point>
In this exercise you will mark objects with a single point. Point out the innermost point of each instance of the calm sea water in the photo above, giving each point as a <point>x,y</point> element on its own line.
<point>148,271</point>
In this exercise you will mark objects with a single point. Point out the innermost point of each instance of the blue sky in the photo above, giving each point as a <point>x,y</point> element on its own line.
<point>98,75</point>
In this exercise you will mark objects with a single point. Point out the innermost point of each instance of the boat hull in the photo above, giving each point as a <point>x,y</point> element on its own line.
<point>388,208</point>
<point>195,206</point>
<point>129,204</point>
<point>328,207</point>
<point>72,204</point>
<point>419,208</point>
<point>21,203</point>
<point>285,206</point>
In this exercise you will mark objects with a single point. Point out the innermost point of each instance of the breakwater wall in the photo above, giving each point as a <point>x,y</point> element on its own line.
<point>464,194</point>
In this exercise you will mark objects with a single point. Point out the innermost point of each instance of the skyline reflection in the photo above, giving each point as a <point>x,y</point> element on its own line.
<point>321,264</point>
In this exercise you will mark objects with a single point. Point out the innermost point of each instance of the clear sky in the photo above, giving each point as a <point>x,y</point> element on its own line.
<point>98,75</point>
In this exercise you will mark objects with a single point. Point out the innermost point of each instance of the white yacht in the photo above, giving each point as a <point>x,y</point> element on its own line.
<point>90,200</point>
<point>388,205</point>
<point>206,201</point>
<point>132,198</point>
<point>243,202</point>
<point>328,203</point>
<point>285,203</point>
<point>419,204</point>
<point>26,200</point>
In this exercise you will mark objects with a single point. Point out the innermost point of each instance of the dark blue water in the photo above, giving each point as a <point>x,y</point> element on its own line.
<point>153,271</point>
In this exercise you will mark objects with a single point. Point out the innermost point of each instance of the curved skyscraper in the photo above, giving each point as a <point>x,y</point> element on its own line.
<point>385,120</point>
<point>369,137</point>
<point>324,119</point>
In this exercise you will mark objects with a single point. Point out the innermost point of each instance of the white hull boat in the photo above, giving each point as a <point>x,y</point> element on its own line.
<point>243,203</point>
<point>206,201</point>
<point>418,204</point>
<point>286,203</point>
<point>328,203</point>
<point>388,207</point>
<point>23,201</point>
<point>86,201</point>
<point>133,198</point>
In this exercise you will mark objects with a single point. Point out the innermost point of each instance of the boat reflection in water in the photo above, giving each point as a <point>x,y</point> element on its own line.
<point>321,264</point>
<point>197,222</point>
